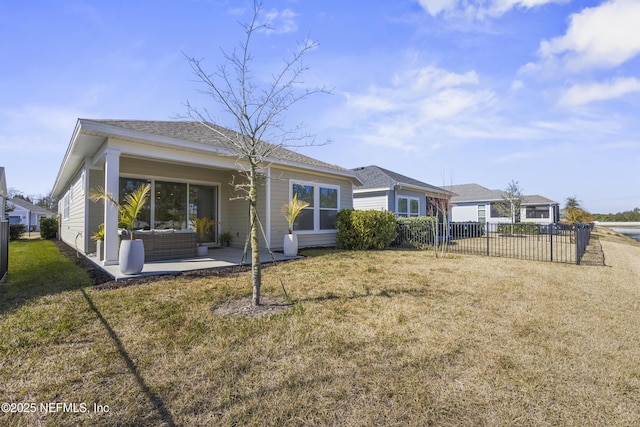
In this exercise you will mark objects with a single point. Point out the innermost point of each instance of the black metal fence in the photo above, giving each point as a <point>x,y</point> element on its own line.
<point>4,248</point>
<point>550,242</point>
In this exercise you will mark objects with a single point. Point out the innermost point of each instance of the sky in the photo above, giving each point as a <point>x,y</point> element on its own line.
<point>542,92</point>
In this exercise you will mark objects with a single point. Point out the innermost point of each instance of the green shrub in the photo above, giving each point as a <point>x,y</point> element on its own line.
<point>416,232</point>
<point>48,228</point>
<point>16,231</point>
<point>362,230</point>
<point>518,228</point>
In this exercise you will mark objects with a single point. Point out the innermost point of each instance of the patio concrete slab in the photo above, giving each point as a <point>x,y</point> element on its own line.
<point>217,258</point>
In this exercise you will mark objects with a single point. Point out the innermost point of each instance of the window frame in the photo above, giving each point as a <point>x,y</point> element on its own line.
<point>65,205</point>
<point>408,213</point>
<point>532,211</point>
<point>152,195</point>
<point>317,187</point>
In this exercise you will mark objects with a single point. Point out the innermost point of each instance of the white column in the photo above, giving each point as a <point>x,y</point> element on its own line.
<point>112,186</point>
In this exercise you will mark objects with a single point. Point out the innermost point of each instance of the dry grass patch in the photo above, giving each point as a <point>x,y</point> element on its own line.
<point>373,338</point>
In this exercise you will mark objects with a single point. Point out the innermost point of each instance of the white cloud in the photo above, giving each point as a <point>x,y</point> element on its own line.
<point>280,22</point>
<point>479,9</point>
<point>26,127</point>
<point>417,103</point>
<point>434,7</point>
<point>581,94</point>
<point>599,37</point>
<point>516,85</point>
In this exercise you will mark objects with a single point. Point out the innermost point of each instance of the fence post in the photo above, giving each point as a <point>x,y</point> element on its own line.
<point>578,242</point>
<point>551,226</point>
<point>486,232</point>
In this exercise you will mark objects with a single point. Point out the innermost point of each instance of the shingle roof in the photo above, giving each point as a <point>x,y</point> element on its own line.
<point>536,199</point>
<point>478,193</point>
<point>198,132</point>
<point>473,193</point>
<point>30,206</point>
<point>377,177</point>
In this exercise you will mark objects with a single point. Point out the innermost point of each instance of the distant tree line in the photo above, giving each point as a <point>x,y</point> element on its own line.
<point>626,216</point>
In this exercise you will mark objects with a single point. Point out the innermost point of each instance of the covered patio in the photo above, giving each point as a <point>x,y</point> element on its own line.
<point>217,258</point>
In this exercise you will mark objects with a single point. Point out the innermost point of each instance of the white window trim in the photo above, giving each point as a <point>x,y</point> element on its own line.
<point>316,204</point>
<point>409,198</point>
<point>152,194</point>
<point>65,206</point>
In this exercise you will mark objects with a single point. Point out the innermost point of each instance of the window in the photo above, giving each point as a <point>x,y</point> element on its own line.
<point>170,206</point>
<point>305,220</point>
<point>538,212</point>
<point>498,211</point>
<point>203,202</point>
<point>408,207</point>
<point>173,205</point>
<point>328,208</point>
<point>65,206</point>
<point>323,206</point>
<point>128,186</point>
<point>482,214</point>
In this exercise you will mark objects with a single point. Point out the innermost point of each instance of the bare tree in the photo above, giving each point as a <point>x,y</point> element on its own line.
<point>511,202</point>
<point>440,208</point>
<point>256,111</point>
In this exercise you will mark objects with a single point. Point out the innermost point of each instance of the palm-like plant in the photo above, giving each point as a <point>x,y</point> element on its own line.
<point>130,208</point>
<point>292,210</point>
<point>202,226</point>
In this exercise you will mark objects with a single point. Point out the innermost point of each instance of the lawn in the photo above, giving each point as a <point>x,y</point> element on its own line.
<point>374,338</point>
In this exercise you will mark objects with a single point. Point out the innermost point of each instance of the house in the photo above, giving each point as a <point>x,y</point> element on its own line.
<point>193,172</point>
<point>475,203</point>
<point>27,213</point>
<point>385,190</point>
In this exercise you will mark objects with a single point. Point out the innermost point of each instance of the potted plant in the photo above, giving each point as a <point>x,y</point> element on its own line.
<point>98,236</point>
<point>131,257</point>
<point>225,239</point>
<point>291,212</point>
<point>202,226</point>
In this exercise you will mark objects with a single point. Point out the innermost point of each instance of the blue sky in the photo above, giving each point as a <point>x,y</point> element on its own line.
<point>545,92</point>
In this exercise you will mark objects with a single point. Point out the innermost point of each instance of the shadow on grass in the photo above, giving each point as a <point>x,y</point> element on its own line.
<point>385,293</point>
<point>155,400</point>
<point>38,269</point>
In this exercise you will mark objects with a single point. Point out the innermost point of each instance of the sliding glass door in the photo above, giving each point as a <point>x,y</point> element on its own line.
<point>174,205</point>
<point>203,203</point>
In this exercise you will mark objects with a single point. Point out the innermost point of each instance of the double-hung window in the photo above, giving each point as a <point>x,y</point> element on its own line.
<point>324,203</point>
<point>408,207</point>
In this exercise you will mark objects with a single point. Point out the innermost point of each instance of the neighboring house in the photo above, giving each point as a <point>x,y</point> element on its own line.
<point>385,190</point>
<point>193,172</point>
<point>476,203</point>
<point>27,213</point>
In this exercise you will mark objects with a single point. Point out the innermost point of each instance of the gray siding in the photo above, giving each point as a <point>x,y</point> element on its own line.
<point>376,201</point>
<point>280,181</point>
<point>72,229</point>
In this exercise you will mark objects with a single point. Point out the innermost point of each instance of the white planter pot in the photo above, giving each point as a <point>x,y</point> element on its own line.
<point>203,250</point>
<point>100,250</point>
<point>131,256</point>
<point>290,245</point>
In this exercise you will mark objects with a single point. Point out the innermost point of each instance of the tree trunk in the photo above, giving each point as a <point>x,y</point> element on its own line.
<point>256,273</point>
